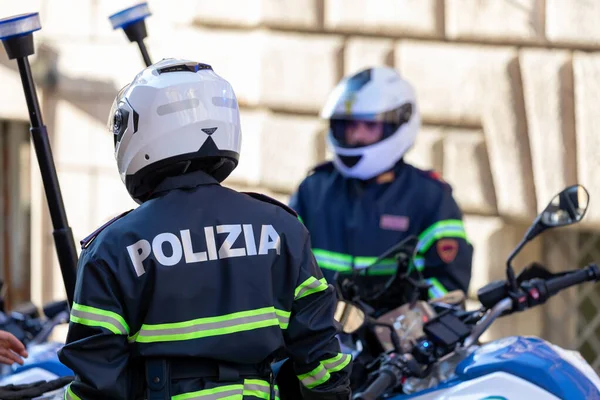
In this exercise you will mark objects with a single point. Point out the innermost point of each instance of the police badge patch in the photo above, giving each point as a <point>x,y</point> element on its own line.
<point>447,249</point>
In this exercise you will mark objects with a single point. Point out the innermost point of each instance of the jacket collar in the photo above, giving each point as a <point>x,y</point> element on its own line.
<point>186,181</point>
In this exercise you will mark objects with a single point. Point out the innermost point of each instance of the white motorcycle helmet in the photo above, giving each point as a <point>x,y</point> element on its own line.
<point>176,116</point>
<point>374,94</point>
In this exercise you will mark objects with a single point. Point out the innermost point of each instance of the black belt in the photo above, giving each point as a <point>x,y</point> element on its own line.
<point>160,372</point>
<point>189,368</point>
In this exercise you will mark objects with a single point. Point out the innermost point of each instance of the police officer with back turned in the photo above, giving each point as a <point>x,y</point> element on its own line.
<point>197,291</point>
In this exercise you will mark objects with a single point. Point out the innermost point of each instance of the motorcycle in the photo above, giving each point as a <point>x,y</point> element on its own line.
<point>429,349</point>
<point>33,330</point>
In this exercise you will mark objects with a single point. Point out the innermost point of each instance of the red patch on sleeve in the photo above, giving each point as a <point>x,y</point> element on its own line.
<point>435,175</point>
<point>447,249</point>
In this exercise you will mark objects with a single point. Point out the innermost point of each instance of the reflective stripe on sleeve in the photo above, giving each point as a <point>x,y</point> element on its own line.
<point>283,317</point>
<point>96,317</point>
<point>337,363</point>
<point>441,229</point>
<point>343,263</point>
<point>323,371</point>
<point>69,395</point>
<point>437,290</point>
<point>310,286</point>
<point>315,377</point>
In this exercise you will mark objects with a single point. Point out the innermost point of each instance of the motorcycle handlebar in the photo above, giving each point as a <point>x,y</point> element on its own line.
<point>385,381</point>
<point>589,273</point>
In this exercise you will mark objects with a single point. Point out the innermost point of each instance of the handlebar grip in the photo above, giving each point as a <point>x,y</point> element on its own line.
<point>589,273</point>
<point>385,381</point>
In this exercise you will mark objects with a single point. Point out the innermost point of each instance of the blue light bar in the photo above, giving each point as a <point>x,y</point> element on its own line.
<point>130,15</point>
<point>19,25</point>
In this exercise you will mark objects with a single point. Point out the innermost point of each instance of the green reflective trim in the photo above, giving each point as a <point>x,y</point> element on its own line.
<point>321,373</point>
<point>283,317</point>
<point>440,224</point>
<point>332,266</point>
<point>206,320</point>
<point>438,290</point>
<point>374,271</point>
<point>418,263</point>
<point>378,271</point>
<point>69,395</point>
<point>447,228</point>
<point>258,388</point>
<point>338,257</point>
<point>343,263</point>
<point>250,387</point>
<point>96,317</point>
<point>337,363</point>
<point>133,338</point>
<point>221,392</point>
<point>173,337</point>
<point>300,219</point>
<point>314,378</point>
<point>310,286</point>
<point>210,326</point>
<point>366,261</point>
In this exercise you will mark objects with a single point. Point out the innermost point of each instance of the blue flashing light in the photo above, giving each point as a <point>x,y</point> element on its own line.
<point>130,15</point>
<point>19,25</point>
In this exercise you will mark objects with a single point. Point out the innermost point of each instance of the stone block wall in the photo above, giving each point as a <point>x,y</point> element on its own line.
<point>509,92</point>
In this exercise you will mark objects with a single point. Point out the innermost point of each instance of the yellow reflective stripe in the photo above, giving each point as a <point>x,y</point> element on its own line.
<point>212,326</point>
<point>441,229</point>
<point>69,395</point>
<point>419,263</point>
<point>96,317</point>
<point>214,393</point>
<point>343,263</point>
<point>250,387</point>
<point>337,363</point>
<point>259,388</point>
<point>310,286</point>
<point>283,317</point>
<point>321,373</point>
<point>315,377</point>
<point>332,260</point>
<point>437,289</point>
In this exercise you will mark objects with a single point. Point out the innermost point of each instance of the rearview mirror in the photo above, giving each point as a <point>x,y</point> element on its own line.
<point>566,208</point>
<point>350,316</point>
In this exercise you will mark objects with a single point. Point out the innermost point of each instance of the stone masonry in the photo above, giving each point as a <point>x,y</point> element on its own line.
<point>508,89</point>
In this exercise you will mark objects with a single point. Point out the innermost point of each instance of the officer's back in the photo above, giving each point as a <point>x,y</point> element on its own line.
<point>199,289</point>
<point>210,251</point>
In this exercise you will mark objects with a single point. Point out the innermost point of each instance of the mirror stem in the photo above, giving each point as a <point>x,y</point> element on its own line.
<point>510,272</point>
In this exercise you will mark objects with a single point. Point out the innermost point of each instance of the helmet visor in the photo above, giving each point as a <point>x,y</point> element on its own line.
<point>387,123</point>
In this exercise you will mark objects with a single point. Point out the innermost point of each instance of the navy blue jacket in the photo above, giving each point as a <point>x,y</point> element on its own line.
<point>202,272</point>
<point>352,222</point>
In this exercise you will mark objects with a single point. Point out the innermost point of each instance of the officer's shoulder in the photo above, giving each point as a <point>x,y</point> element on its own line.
<point>85,242</point>
<point>266,199</point>
<point>317,175</point>
<point>433,177</point>
<point>324,168</point>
